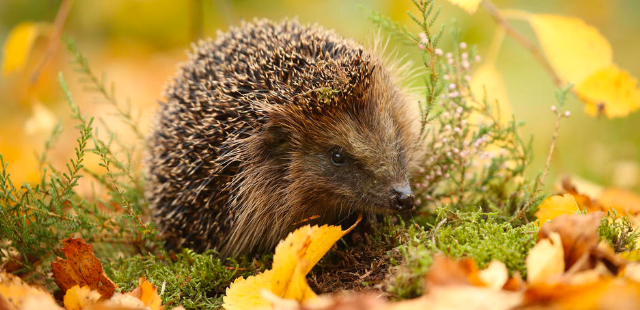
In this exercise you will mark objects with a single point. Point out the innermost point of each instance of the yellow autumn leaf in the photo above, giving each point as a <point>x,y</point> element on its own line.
<point>468,5</point>
<point>495,275</point>
<point>545,259</point>
<point>77,298</point>
<point>555,206</point>
<point>294,257</point>
<point>15,294</point>
<point>610,91</point>
<point>632,256</point>
<point>148,294</point>
<point>574,49</point>
<point>18,46</point>
<point>486,81</point>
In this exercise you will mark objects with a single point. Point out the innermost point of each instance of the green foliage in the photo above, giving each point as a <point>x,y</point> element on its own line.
<point>405,279</point>
<point>195,281</point>
<point>472,156</point>
<point>473,234</point>
<point>34,218</point>
<point>484,238</point>
<point>618,232</point>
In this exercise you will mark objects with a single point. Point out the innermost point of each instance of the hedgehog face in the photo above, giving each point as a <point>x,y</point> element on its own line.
<point>345,161</point>
<point>364,164</point>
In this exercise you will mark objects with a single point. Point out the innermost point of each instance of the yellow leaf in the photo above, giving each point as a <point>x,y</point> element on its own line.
<point>77,298</point>
<point>633,256</point>
<point>495,275</point>
<point>545,259</point>
<point>555,206</point>
<point>148,294</point>
<point>294,257</point>
<point>17,47</point>
<point>610,91</point>
<point>574,49</point>
<point>488,78</point>
<point>15,294</point>
<point>468,5</point>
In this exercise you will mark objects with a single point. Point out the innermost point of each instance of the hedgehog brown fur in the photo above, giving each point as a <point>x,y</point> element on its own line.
<point>269,125</point>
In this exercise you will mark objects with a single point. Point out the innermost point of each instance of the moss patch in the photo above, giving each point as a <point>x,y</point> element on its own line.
<point>195,281</point>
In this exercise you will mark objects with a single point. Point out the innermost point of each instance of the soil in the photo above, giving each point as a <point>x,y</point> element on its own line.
<point>361,266</point>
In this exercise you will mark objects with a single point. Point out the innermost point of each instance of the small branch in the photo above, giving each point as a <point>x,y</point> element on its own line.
<point>512,32</point>
<point>54,41</point>
<point>554,138</point>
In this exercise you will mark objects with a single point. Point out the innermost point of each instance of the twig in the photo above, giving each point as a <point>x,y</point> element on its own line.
<point>554,138</point>
<point>512,32</point>
<point>435,229</point>
<point>54,41</point>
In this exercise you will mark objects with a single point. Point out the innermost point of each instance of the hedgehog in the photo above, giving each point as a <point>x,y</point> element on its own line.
<point>274,125</point>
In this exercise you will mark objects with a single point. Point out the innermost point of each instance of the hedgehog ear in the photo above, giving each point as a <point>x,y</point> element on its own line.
<point>276,138</point>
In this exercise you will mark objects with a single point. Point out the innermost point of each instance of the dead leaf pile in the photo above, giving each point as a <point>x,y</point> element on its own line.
<point>83,283</point>
<point>567,269</point>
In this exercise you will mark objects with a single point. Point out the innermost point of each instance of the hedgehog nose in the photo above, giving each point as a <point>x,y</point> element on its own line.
<point>401,198</point>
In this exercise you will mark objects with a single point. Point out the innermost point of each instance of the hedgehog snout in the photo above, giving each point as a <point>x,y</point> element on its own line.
<point>401,198</point>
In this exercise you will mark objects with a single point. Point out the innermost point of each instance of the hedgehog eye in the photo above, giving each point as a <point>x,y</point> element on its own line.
<point>338,157</point>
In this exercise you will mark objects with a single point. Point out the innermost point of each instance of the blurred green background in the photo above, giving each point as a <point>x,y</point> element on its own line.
<point>139,43</point>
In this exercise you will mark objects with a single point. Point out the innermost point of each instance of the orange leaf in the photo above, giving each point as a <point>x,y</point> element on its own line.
<point>77,298</point>
<point>555,206</point>
<point>81,268</point>
<point>148,294</point>
<point>578,233</point>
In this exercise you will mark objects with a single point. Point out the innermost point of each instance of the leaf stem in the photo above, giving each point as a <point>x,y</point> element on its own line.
<point>530,46</point>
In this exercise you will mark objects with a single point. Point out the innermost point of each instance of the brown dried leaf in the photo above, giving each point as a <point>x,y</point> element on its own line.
<point>446,271</point>
<point>579,235</point>
<point>462,297</point>
<point>81,268</point>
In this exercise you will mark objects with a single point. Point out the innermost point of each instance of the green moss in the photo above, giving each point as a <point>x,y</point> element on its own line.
<point>411,261</point>
<point>619,233</point>
<point>195,281</point>
<point>481,236</point>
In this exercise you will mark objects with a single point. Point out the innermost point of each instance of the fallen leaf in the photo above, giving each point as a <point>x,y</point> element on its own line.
<point>77,298</point>
<point>17,295</point>
<point>118,302</point>
<point>555,206</point>
<point>632,272</point>
<point>82,268</point>
<point>338,301</point>
<point>625,202</point>
<point>447,271</point>
<point>600,293</point>
<point>495,276</point>
<point>468,5</point>
<point>578,234</point>
<point>633,256</point>
<point>148,294</point>
<point>462,297</point>
<point>18,46</point>
<point>294,257</point>
<point>545,259</point>
<point>585,202</point>
<point>574,49</point>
